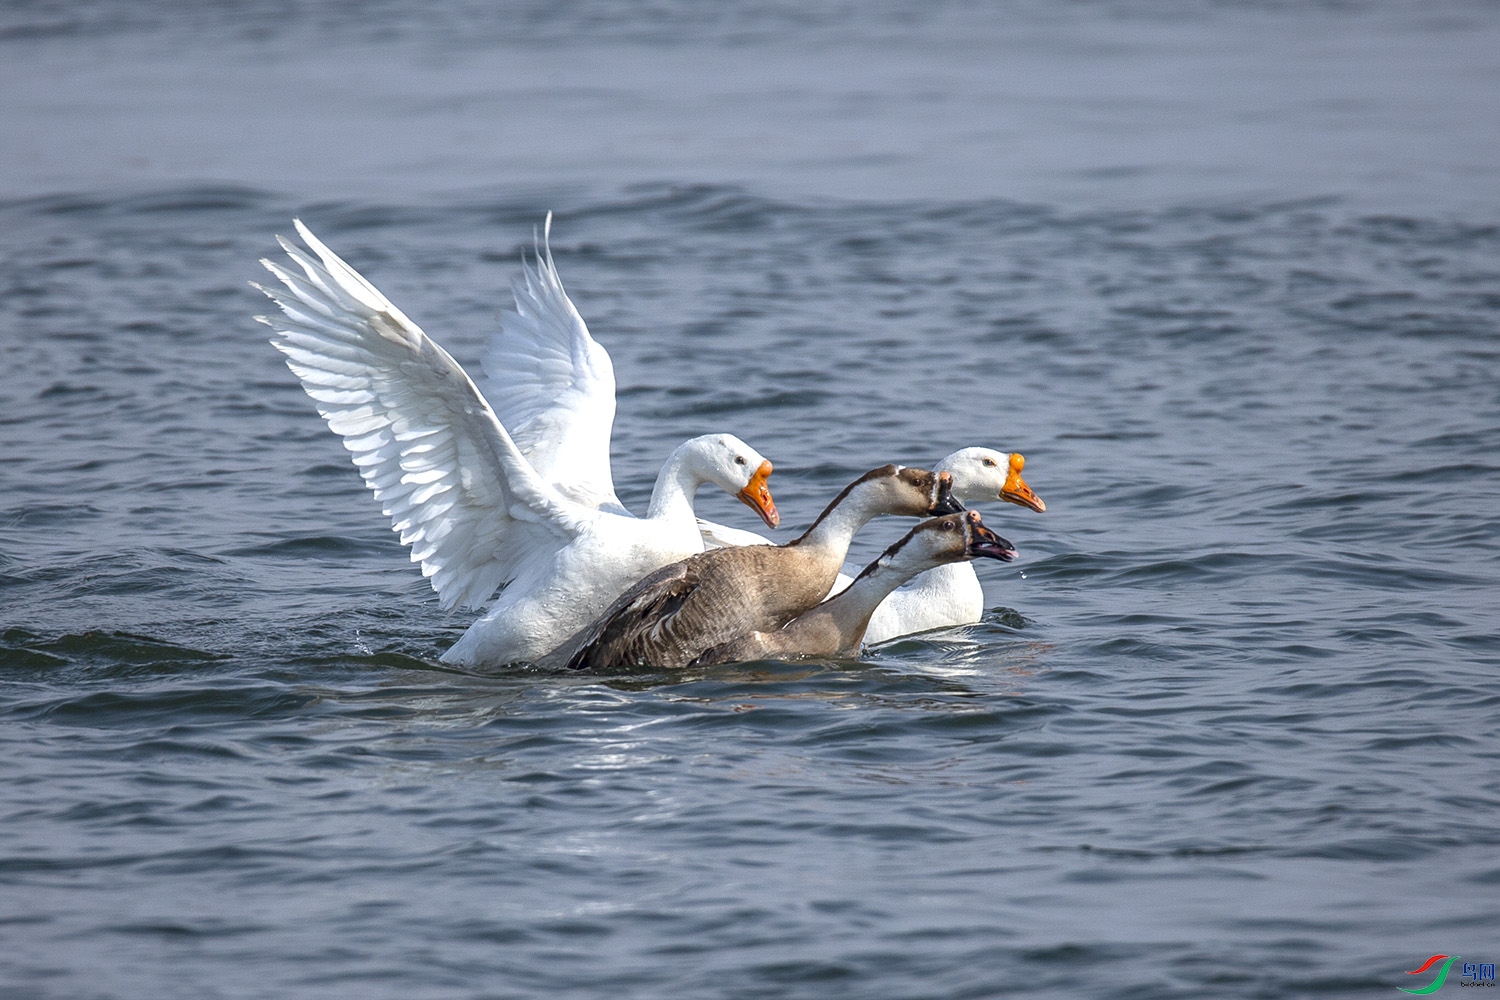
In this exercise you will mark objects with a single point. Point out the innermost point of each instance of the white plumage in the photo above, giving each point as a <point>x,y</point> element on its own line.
<point>553,386</point>
<point>512,490</point>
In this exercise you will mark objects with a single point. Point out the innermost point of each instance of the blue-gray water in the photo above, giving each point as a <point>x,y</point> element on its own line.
<point>1227,274</point>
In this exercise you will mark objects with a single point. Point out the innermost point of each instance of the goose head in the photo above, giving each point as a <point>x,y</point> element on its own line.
<point>981,474</point>
<point>728,462</point>
<point>953,538</point>
<point>895,489</point>
<point>948,539</point>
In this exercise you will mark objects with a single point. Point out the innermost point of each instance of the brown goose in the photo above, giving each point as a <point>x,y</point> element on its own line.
<point>674,614</point>
<point>837,626</point>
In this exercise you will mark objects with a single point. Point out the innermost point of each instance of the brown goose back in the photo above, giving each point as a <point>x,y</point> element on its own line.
<point>836,627</point>
<point>678,612</point>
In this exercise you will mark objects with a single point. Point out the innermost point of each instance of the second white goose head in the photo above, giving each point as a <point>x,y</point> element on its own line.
<point>737,468</point>
<point>981,474</point>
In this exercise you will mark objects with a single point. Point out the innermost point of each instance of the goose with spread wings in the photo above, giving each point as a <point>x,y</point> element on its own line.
<point>508,486</point>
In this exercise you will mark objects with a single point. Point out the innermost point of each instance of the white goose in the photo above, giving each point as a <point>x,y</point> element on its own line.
<point>523,501</point>
<point>947,595</point>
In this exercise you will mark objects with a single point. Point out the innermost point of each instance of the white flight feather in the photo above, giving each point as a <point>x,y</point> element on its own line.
<point>456,487</point>
<point>552,385</point>
<point>509,491</point>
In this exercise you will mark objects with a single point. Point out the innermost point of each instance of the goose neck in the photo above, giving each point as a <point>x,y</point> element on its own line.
<point>835,527</point>
<point>676,484</point>
<point>852,608</point>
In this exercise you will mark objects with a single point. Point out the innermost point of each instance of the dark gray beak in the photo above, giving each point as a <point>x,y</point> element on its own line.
<point>946,502</point>
<point>985,543</point>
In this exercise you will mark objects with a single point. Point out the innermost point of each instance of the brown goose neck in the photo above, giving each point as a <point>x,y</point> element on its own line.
<point>855,505</point>
<point>853,606</point>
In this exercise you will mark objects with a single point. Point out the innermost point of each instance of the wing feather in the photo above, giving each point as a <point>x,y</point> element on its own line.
<point>423,438</point>
<point>612,639</point>
<point>552,385</point>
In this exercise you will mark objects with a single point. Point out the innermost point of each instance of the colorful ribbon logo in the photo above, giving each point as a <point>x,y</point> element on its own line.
<point>1437,983</point>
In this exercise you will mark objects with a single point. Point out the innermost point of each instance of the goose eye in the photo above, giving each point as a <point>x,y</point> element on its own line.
<point>948,525</point>
<point>990,462</point>
<point>739,460</point>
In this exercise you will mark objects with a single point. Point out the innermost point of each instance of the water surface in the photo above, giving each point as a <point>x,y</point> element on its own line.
<point>1228,727</point>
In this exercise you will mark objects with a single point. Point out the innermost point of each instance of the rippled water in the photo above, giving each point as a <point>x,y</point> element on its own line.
<point>1228,728</point>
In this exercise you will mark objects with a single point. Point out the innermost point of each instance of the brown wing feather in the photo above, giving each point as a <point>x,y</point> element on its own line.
<point>672,616</point>
<point>643,633</point>
<point>598,644</point>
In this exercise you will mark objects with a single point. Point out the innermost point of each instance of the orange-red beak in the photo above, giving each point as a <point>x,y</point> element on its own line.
<point>757,495</point>
<point>1015,489</point>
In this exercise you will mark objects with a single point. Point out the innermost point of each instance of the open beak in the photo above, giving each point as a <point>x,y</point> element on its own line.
<point>1015,489</point>
<point>757,495</point>
<point>984,542</point>
<point>945,502</point>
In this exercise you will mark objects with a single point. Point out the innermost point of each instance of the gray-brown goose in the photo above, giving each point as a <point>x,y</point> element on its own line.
<point>837,626</point>
<point>675,614</point>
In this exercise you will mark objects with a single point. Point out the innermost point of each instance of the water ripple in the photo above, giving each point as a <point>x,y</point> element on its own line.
<point>1247,654</point>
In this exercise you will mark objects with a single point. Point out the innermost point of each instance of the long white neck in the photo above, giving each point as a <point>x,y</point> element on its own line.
<point>676,484</point>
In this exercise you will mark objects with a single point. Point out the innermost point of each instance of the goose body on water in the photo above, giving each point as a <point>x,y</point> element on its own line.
<point>524,500</point>
<point>951,594</point>
<point>836,627</point>
<point>946,595</point>
<point>675,614</point>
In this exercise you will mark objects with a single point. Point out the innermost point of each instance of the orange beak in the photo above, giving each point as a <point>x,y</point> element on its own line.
<point>757,495</point>
<point>1015,489</point>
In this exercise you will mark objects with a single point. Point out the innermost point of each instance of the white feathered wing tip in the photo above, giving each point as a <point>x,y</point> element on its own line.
<point>552,385</point>
<point>423,438</point>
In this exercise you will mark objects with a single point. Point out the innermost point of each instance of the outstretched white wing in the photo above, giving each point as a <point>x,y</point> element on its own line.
<point>553,386</point>
<point>444,469</point>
